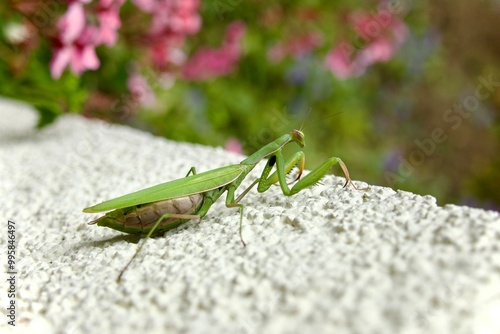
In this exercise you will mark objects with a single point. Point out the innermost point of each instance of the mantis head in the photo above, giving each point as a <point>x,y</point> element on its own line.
<point>298,137</point>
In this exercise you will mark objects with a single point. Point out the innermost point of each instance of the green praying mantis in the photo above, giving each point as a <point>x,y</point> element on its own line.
<point>155,210</point>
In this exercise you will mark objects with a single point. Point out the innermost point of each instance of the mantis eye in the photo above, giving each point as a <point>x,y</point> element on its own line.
<point>298,137</point>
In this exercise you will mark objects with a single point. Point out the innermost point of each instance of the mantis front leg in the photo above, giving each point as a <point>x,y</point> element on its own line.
<point>310,179</point>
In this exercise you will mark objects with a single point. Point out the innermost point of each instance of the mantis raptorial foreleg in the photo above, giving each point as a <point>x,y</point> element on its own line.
<point>310,179</point>
<point>265,182</point>
<point>191,170</point>
<point>232,203</point>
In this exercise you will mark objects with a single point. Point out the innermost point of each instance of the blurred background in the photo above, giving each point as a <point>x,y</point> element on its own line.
<point>407,93</point>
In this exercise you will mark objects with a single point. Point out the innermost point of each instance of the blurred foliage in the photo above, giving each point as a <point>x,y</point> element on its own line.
<point>387,115</point>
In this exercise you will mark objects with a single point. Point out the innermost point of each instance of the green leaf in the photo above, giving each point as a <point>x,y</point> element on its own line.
<point>48,115</point>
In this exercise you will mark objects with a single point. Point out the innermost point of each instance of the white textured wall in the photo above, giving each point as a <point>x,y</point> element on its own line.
<point>327,260</point>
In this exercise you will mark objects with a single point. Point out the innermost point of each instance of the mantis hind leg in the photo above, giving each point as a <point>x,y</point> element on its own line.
<point>151,232</point>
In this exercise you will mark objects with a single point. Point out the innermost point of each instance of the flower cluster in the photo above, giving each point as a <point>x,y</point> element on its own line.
<point>172,21</point>
<point>208,62</point>
<point>75,45</point>
<point>379,37</point>
<point>296,46</point>
<point>140,90</point>
<point>89,23</point>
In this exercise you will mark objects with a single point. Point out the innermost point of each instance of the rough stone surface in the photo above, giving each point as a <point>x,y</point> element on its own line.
<point>327,260</point>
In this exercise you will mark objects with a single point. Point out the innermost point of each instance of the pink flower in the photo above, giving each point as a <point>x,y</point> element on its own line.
<point>110,3</point>
<point>296,46</point>
<point>145,5</point>
<point>381,35</point>
<point>108,15</point>
<point>208,63</point>
<point>186,19</point>
<point>71,24</point>
<point>75,45</point>
<point>176,16</point>
<point>109,22</point>
<point>79,55</point>
<point>339,61</point>
<point>166,49</point>
<point>233,145</point>
<point>140,90</point>
<point>171,21</point>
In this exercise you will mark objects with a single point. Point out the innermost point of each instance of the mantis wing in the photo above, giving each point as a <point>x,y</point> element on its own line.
<point>194,184</point>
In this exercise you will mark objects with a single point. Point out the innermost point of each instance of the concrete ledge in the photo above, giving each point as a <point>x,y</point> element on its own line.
<point>327,260</point>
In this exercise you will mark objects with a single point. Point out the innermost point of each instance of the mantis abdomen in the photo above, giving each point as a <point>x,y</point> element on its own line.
<point>140,219</point>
